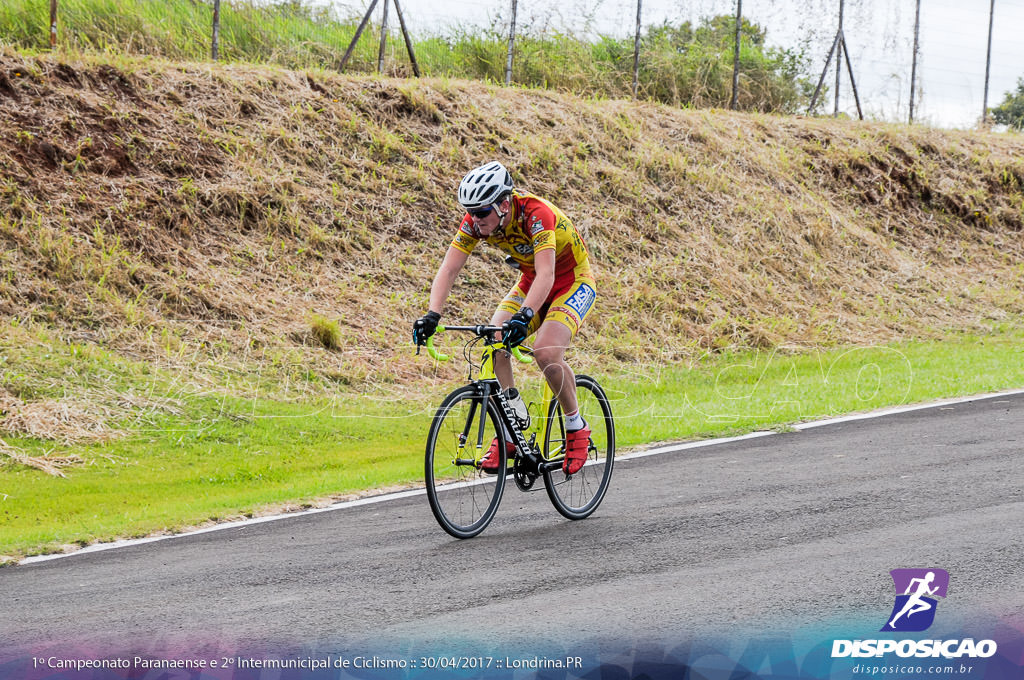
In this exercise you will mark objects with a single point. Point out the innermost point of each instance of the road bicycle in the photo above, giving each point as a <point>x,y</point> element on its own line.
<point>464,498</point>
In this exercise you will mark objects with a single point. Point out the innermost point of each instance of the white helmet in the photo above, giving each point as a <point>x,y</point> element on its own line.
<point>484,185</point>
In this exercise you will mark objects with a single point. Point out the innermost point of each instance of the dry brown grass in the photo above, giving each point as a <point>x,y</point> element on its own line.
<point>63,420</point>
<point>194,211</point>
<point>49,463</point>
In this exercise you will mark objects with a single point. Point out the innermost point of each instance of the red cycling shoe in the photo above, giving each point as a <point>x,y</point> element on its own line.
<point>489,463</point>
<point>577,444</point>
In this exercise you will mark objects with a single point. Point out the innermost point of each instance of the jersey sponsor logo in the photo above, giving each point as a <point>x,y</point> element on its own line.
<point>582,299</point>
<point>536,226</point>
<point>524,248</point>
<point>546,239</point>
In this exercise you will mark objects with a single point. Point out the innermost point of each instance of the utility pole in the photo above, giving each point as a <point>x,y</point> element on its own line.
<point>988,61</point>
<point>913,67</point>
<point>840,50</point>
<point>736,57</point>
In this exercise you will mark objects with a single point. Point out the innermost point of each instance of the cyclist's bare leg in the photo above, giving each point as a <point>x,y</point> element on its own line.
<point>502,360</point>
<point>549,347</point>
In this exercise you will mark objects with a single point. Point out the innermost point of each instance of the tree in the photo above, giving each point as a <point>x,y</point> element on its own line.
<point>693,65</point>
<point>1011,111</point>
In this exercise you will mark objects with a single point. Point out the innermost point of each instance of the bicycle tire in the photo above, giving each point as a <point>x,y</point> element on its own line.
<point>577,496</point>
<point>462,497</point>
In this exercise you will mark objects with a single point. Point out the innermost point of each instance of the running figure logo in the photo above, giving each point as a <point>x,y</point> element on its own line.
<point>915,605</point>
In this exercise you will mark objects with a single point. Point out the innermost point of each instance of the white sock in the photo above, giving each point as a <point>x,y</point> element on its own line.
<point>574,421</point>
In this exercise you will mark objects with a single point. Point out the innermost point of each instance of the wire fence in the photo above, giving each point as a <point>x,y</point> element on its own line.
<point>967,55</point>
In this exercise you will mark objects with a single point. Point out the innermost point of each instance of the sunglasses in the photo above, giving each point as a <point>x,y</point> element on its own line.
<point>481,213</point>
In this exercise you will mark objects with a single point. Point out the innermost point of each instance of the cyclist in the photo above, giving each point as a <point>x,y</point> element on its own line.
<point>552,297</point>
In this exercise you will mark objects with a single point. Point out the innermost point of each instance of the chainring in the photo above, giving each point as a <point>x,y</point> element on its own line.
<point>524,477</point>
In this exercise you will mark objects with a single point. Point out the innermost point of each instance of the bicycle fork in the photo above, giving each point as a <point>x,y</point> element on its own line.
<point>530,458</point>
<point>484,394</point>
<point>464,436</point>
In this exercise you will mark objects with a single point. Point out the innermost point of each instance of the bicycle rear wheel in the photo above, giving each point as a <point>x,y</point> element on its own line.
<point>577,496</point>
<point>462,497</point>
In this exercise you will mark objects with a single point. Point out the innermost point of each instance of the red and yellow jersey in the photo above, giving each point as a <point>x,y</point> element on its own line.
<point>535,225</point>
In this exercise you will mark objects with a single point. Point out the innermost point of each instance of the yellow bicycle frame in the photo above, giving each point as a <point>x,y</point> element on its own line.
<point>538,423</point>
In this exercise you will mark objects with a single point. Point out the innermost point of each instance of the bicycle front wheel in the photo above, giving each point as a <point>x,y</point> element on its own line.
<point>577,496</point>
<point>462,497</point>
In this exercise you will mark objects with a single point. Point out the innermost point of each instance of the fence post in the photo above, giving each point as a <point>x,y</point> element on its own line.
<point>736,57</point>
<point>511,45</point>
<point>839,49</point>
<point>853,81</point>
<point>383,38</point>
<point>215,43</point>
<point>839,54</point>
<point>408,40</point>
<point>913,63</point>
<point>53,24</point>
<point>636,52</point>
<point>355,38</point>
<point>824,72</point>
<point>988,61</point>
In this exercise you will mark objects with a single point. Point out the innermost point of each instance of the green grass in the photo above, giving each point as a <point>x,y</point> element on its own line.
<point>218,457</point>
<point>326,332</point>
<point>187,472</point>
<point>738,393</point>
<point>680,65</point>
<point>294,35</point>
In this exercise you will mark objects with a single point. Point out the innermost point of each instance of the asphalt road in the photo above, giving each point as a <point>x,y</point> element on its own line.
<point>799,527</point>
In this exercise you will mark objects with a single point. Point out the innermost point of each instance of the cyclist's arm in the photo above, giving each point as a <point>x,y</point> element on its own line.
<point>544,265</point>
<point>453,262</point>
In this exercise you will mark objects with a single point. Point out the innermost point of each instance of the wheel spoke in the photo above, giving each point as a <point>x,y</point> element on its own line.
<point>462,498</point>
<point>577,496</point>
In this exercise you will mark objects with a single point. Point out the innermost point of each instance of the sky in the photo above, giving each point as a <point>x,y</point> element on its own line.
<point>879,35</point>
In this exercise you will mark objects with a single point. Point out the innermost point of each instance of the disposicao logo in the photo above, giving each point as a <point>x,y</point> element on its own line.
<point>914,611</point>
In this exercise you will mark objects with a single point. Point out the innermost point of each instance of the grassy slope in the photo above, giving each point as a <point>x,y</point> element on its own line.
<point>169,231</point>
<point>145,202</point>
